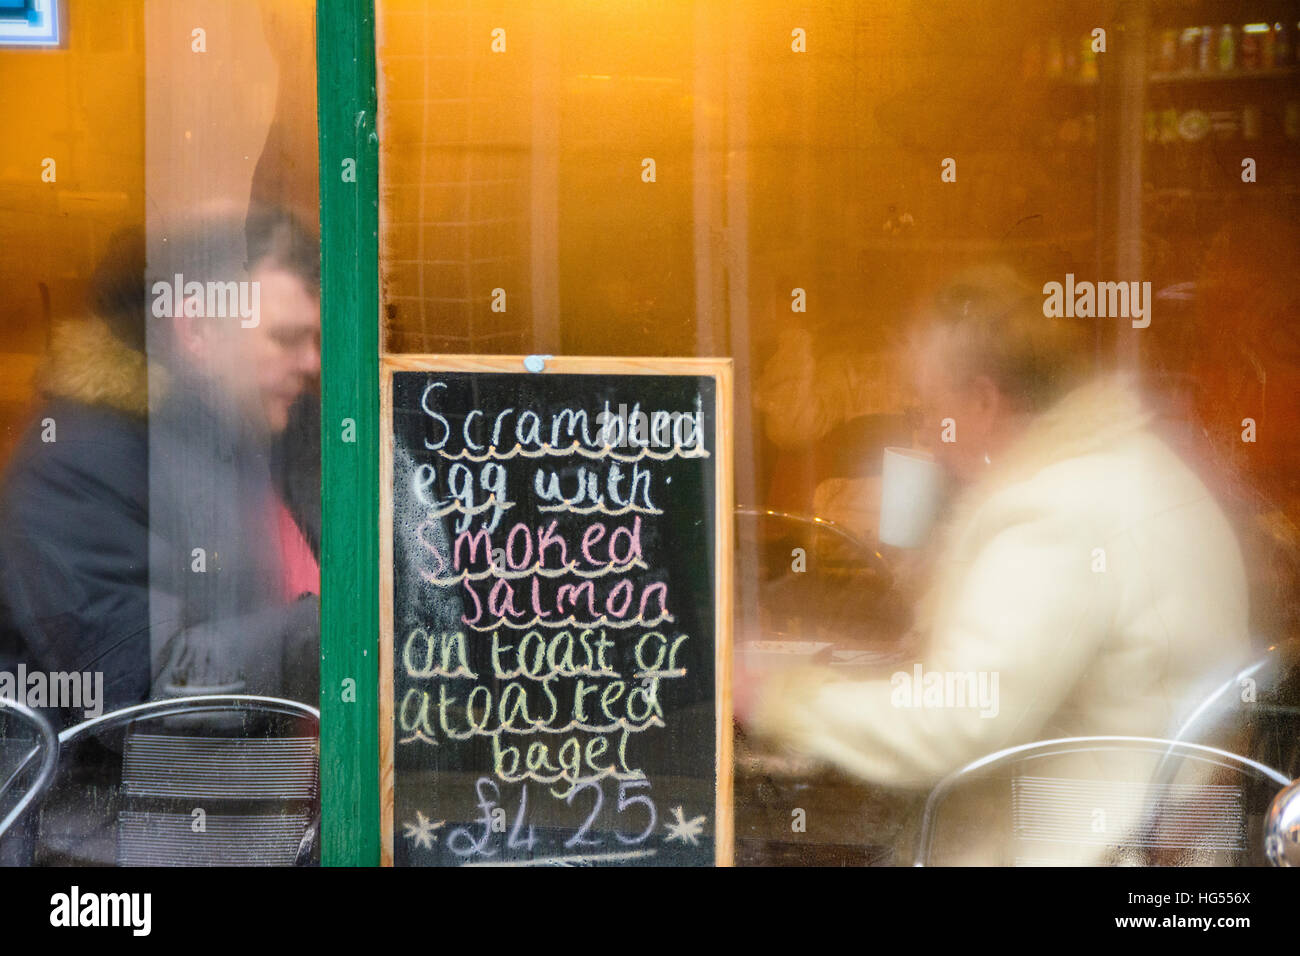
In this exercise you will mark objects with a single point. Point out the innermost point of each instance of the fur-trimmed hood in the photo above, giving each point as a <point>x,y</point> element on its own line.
<point>87,363</point>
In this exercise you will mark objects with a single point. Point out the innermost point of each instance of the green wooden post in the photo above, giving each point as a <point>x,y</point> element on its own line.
<point>349,199</point>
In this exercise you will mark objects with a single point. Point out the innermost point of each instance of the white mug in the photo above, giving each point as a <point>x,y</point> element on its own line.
<point>911,486</point>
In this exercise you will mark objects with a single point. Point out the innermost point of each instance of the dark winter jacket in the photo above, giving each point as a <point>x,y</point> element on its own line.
<point>74,520</point>
<point>160,577</point>
<point>137,539</point>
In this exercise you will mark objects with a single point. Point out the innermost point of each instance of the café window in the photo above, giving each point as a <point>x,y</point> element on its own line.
<point>975,284</point>
<point>159,559</point>
<point>444,433</point>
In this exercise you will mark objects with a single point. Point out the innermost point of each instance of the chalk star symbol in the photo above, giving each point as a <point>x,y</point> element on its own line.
<point>422,830</point>
<point>685,830</point>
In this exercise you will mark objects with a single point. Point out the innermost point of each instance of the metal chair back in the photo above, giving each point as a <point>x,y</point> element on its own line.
<point>197,792</point>
<point>1222,702</point>
<point>1052,814</point>
<point>46,748</point>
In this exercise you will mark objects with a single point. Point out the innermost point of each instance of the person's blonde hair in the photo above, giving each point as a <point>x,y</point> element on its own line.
<point>988,321</point>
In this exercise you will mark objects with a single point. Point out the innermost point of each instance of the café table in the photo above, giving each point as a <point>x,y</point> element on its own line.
<point>793,811</point>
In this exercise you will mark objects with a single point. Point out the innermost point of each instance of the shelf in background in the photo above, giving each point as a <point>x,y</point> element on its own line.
<point>1190,76</point>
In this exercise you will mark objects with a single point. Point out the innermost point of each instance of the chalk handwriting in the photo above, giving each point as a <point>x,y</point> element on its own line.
<point>565,656</point>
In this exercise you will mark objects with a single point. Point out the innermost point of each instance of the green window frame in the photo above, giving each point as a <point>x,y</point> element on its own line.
<point>349,211</point>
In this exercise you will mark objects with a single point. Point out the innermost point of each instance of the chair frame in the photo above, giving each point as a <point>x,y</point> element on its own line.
<point>173,706</point>
<point>1195,721</point>
<point>169,707</point>
<point>48,747</point>
<point>209,703</point>
<point>869,552</point>
<point>1066,745</point>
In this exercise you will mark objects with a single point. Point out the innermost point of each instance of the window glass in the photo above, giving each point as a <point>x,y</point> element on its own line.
<point>161,504</point>
<point>1032,251</point>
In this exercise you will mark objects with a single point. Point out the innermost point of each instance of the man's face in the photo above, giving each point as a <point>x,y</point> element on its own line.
<point>965,412</point>
<point>284,347</point>
<point>265,367</point>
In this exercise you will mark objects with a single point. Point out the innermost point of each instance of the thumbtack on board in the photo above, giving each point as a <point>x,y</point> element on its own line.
<point>536,363</point>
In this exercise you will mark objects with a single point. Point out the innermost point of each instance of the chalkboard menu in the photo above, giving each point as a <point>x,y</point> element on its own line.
<point>555,602</point>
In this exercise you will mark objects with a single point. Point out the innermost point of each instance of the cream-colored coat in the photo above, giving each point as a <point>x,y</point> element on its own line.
<point>1091,571</point>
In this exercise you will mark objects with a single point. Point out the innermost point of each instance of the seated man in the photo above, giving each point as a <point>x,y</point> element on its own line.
<point>144,533</point>
<point>1087,577</point>
<point>233,580</point>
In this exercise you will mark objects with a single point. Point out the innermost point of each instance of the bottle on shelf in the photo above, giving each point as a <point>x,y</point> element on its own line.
<point>1087,60</point>
<point>1251,45</point>
<point>1055,58</point>
<point>1189,46</point>
<point>1205,50</point>
<point>1167,51</point>
<point>1250,121</point>
<point>1227,48</point>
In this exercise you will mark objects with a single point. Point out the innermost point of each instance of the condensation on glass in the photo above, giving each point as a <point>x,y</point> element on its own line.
<point>161,426</point>
<point>866,207</point>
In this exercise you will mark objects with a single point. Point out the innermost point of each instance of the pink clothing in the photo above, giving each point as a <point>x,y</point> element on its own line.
<point>300,573</point>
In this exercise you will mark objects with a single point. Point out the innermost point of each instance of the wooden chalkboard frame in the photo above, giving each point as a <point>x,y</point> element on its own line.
<point>721,370</point>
